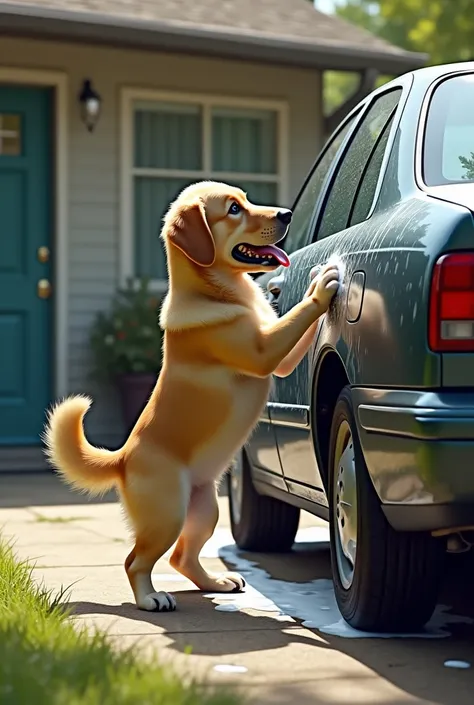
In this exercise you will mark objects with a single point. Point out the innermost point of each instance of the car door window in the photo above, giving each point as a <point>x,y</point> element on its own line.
<point>368,185</point>
<point>335,213</point>
<point>299,234</point>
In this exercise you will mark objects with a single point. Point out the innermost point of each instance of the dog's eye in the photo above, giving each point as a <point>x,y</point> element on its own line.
<point>234,208</point>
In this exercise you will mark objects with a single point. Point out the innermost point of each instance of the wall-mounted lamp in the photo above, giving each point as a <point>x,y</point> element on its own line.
<point>90,102</point>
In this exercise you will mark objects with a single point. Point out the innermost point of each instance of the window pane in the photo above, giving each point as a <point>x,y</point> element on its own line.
<point>168,136</point>
<point>449,140</point>
<point>261,193</point>
<point>337,209</point>
<point>299,234</point>
<point>152,199</point>
<point>370,179</point>
<point>244,141</point>
<point>10,135</point>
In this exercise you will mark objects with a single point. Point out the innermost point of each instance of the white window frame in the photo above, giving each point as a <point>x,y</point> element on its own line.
<point>131,96</point>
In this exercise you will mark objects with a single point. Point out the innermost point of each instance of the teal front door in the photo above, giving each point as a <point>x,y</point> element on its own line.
<point>25,269</point>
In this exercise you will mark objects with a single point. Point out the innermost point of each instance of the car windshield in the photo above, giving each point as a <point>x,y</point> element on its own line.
<point>448,153</point>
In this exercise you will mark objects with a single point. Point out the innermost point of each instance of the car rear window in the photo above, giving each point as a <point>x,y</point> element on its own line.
<point>448,150</point>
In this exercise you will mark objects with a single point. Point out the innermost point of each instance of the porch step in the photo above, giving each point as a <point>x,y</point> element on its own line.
<point>17,459</point>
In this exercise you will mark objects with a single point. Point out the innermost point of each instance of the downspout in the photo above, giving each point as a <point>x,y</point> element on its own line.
<point>366,86</point>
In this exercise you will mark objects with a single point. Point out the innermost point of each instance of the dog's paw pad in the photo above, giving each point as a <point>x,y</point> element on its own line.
<point>158,602</point>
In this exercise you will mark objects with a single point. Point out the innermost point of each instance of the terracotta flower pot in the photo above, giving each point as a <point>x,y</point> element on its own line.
<point>134,390</point>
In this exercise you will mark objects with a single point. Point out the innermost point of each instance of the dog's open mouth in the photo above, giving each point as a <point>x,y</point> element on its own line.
<point>266,255</point>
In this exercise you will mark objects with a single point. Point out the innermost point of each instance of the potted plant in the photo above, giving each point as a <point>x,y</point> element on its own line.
<point>126,343</point>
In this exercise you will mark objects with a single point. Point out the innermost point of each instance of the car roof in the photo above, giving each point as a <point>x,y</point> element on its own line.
<point>428,74</point>
<point>420,78</point>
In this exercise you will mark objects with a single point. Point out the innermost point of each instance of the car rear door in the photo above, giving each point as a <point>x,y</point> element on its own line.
<point>346,203</point>
<point>446,173</point>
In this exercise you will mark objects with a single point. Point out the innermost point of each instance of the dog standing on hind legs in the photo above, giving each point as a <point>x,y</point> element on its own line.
<point>222,343</point>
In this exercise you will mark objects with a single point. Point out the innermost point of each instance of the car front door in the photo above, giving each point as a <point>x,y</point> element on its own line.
<point>346,202</point>
<point>262,447</point>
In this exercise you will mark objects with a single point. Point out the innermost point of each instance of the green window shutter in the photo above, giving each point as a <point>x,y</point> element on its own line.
<point>244,141</point>
<point>168,136</point>
<point>153,196</point>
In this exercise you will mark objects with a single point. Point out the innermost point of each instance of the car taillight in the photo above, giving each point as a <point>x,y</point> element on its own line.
<point>451,317</point>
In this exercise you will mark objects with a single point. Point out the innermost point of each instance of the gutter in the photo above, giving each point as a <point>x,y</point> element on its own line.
<point>51,23</point>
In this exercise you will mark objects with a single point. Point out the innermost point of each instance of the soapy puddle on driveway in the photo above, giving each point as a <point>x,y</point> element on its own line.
<point>311,602</point>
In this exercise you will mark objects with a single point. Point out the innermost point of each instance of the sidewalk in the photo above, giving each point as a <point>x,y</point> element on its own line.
<point>275,659</point>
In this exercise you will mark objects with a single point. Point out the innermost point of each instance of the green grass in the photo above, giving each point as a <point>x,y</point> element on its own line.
<point>46,661</point>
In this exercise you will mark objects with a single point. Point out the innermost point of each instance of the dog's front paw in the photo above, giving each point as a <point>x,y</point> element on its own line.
<point>229,582</point>
<point>325,285</point>
<point>157,602</point>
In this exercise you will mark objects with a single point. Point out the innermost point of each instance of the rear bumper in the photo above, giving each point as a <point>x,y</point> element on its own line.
<point>419,451</point>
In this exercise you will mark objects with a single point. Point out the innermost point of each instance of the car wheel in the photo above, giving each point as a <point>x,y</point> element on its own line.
<point>384,580</point>
<point>258,523</point>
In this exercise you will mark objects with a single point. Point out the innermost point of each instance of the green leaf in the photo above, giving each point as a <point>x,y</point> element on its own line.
<point>441,28</point>
<point>127,338</point>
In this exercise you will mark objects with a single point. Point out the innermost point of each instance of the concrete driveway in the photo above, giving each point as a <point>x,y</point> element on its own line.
<point>282,641</point>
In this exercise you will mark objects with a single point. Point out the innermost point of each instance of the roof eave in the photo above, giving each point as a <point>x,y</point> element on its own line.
<point>32,20</point>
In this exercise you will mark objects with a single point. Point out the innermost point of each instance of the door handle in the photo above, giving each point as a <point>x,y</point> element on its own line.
<point>274,290</point>
<point>275,284</point>
<point>44,289</point>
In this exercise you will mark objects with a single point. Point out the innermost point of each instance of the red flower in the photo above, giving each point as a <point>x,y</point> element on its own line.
<point>121,335</point>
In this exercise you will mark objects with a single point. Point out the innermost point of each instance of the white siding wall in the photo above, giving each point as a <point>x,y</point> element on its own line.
<point>94,166</point>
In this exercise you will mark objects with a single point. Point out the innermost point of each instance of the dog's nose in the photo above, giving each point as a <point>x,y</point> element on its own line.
<point>284,216</point>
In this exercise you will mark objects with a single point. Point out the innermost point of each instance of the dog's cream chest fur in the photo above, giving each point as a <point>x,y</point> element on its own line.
<point>249,395</point>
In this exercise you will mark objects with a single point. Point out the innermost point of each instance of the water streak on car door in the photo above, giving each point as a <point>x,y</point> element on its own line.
<point>262,445</point>
<point>290,397</point>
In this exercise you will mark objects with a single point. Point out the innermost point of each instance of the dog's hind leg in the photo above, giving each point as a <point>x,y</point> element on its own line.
<point>156,511</point>
<point>201,520</point>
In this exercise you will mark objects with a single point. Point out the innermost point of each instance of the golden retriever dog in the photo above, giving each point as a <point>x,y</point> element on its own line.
<point>222,343</point>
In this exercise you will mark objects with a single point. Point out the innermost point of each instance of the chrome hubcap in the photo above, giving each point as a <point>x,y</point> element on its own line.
<point>236,487</point>
<point>345,505</point>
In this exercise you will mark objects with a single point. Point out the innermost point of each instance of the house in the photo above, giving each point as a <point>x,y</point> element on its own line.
<point>209,88</point>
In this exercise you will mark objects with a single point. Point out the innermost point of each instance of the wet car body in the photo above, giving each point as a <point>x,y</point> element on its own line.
<point>411,402</point>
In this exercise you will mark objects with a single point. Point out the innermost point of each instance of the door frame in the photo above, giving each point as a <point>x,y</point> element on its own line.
<point>58,81</point>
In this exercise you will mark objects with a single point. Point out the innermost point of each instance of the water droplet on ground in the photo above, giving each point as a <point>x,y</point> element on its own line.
<point>457,664</point>
<point>230,668</point>
<point>229,607</point>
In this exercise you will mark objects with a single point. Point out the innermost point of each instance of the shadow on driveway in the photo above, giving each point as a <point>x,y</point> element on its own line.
<point>42,489</point>
<point>413,665</point>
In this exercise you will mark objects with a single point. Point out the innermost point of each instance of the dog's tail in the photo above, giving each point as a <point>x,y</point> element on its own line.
<point>85,467</point>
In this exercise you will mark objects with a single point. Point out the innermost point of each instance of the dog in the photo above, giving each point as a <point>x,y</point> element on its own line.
<point>222,343</point>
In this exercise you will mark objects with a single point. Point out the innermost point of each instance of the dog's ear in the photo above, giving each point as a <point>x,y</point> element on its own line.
<point>188,230</point>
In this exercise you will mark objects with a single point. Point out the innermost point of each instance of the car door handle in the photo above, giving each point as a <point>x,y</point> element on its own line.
<point>275,284</point>
<point>274,290</point>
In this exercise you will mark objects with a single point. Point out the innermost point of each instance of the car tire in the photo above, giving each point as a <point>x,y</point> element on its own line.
<point>258,523</point>
<point>384,580</point>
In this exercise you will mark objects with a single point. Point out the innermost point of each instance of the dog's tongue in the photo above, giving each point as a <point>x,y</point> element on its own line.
<point>280,255</point>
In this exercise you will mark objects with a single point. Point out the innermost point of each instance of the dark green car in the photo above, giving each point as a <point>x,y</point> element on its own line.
<point>374,430</point>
